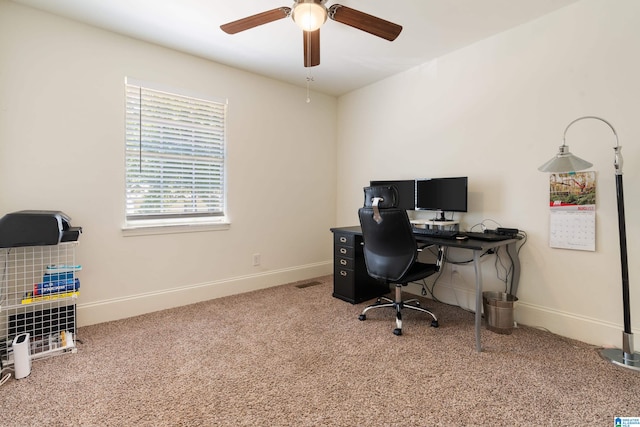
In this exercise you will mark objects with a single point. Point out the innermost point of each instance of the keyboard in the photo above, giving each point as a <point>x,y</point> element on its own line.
<point>435,232</point>
<point>489,237</point>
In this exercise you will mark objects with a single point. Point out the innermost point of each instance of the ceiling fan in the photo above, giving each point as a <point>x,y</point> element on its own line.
<point>310,15</point>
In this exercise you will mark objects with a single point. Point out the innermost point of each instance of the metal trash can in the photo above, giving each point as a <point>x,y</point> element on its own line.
<point>498,311</point>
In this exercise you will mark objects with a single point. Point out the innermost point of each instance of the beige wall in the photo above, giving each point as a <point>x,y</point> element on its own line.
<point>62,148</point>
<point>494,112</point>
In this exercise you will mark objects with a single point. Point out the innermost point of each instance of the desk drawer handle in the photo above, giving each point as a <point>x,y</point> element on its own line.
<point>343,262</point>
<point>343,240</point>
<point>343,251</point>
<point>343,273</point>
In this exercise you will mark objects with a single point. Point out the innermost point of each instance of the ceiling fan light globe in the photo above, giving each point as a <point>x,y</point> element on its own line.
<point>309,15</point>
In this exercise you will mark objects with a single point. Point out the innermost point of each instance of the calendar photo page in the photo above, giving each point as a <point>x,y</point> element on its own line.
<point>572,210</point>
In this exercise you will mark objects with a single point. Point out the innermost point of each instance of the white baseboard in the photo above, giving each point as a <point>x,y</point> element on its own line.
<point>134,305</point>
<point>582,328</point>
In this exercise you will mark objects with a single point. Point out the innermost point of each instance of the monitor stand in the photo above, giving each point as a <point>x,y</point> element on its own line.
<point>440,218</point>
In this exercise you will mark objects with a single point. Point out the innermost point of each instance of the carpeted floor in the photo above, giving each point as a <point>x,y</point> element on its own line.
<point>295,356</point>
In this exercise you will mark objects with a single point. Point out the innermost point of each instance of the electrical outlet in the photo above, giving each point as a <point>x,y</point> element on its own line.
<point>256,260</point>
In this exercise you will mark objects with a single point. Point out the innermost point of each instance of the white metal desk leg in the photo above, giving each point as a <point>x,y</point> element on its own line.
<point>476,267</point>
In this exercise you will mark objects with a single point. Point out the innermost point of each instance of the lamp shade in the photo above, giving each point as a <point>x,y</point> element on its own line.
<point>309,14</point>
<point>564,161</point>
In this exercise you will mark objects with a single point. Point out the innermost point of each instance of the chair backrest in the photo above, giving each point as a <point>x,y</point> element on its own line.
<point>389,245</point>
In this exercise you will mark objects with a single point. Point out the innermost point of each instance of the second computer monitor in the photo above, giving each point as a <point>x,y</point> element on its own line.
<point>442,194</point>
<point>406,191</point>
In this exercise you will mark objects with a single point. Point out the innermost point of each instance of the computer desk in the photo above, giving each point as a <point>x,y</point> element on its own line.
<point>477,247</point>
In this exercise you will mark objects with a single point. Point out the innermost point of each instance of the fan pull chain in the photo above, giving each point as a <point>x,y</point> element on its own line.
<point>309,79</point>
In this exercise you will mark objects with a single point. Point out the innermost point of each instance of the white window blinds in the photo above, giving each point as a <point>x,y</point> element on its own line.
<point>175,155</point>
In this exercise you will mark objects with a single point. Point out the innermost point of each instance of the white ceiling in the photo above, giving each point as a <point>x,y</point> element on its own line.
<point>350,58</point>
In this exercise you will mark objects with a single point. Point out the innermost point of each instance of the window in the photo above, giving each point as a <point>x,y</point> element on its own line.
<point>175,157</point>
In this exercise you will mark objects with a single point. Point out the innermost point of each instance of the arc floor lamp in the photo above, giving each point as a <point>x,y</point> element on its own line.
<point>564,161</point>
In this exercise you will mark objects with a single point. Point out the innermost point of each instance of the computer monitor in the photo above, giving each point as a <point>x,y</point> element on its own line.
<point>406,191</point>
<point>442,194</point>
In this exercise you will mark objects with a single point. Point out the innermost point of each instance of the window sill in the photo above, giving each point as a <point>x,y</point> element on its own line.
<point>144,229</point>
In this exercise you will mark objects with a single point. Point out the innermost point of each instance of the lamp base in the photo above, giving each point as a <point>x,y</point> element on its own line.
<point>620,358</point>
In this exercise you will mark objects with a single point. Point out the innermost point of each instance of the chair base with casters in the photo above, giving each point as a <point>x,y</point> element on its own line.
<point>399,304</point>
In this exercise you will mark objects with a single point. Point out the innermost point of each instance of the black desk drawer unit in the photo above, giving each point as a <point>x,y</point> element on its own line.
<point>351,282</point>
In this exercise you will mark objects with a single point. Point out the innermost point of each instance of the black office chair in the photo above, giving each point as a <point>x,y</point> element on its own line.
<point>391,251</point>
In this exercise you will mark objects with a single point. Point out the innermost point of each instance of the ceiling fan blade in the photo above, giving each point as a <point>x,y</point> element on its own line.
<point>311,41</point>
<point>255,20</point>
<point>365,22</point>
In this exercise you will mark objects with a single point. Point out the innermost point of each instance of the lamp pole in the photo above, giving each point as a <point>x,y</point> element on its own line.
<point>627,337</point>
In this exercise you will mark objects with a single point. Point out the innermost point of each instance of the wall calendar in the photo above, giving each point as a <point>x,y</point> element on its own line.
<point>572,211</point>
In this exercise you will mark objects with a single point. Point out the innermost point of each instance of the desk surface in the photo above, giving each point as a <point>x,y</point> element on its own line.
<point>472,244</point>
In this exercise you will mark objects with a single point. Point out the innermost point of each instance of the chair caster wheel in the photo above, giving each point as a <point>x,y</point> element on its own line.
<point>362,317</point>
<point>434,323</point>
<point>397,331</point>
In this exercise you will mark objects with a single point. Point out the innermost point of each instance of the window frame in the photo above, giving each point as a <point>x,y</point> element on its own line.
<point>174,222</point>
